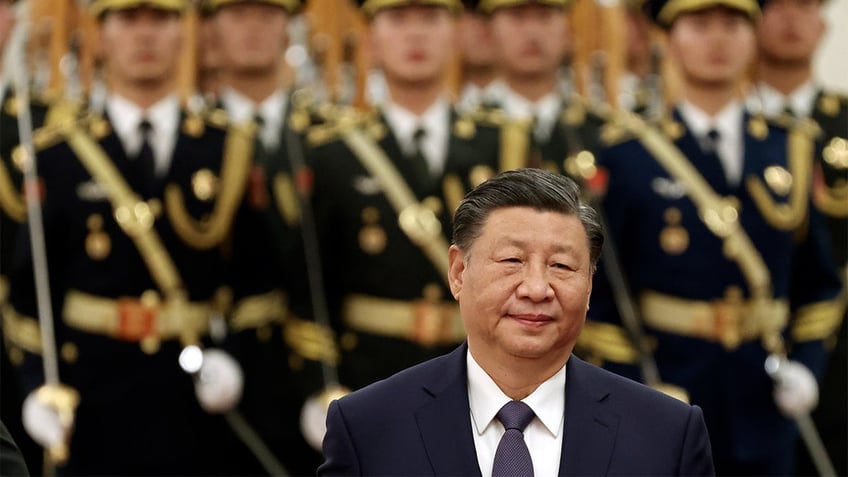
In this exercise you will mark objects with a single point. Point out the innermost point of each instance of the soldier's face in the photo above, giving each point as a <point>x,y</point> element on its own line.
<point>790,30</point>
<point>7,22</point>
<point>531,39</point>
<point>414,43</point>
<point>713,46</point>
<point>475,40</point>
<point>251,36</point>
<point>524,286</point>
<point>141,45</point>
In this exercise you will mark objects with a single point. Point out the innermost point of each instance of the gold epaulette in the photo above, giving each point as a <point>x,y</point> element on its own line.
<point>614,131</point>
<point>21,331</point>
<point>311,341</point>
<point>217,117</point>
<point>335,120</point>
<point>805,126</point>
<point>817,321</point>
<point>831,103</point>
<point>605,342</point>
<point>485,115</point>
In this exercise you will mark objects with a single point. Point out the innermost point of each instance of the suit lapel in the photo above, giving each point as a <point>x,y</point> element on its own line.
<point>445,423</point>
<point>589,429</point>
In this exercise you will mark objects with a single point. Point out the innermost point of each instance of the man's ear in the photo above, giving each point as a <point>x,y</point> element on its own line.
<point>456,265</point>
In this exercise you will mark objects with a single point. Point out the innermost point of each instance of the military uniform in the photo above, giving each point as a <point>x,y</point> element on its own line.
<point>715,303</point>
<point>136,272</point>
<point>830,196</point>
<point>280,347</point>
<point>384,226</point>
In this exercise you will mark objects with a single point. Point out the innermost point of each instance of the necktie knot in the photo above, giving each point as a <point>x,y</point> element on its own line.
<point>145,128</point>
<point>515,415</point>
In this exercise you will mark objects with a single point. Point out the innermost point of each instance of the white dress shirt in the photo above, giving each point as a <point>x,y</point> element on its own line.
<point>163,117</point>
<point>545,112</point>
<point>272,109</point>
<point>544,433</point>
<point>436,125</point>
<point>729,124</point>
<point>772,103</point>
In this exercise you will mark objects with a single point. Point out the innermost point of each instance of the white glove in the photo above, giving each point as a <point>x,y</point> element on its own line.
<point>796,391</point>
<point>48,417</point>
<point>219,382</point>
<point>313,416</point>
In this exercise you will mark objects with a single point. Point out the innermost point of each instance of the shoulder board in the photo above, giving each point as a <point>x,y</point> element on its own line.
<point>486,115</point>
<point>831,103</point>
<point>806,126</point>
<point>614,130</point>
<point>339,119</point>
<point>217,117</point>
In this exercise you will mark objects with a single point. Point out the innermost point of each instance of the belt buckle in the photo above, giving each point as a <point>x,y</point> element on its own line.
<point>136,320</point>
<point>430,326</point>
<point>727,317</point>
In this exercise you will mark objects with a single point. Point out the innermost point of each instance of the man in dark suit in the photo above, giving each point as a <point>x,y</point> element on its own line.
<point>521,266</point>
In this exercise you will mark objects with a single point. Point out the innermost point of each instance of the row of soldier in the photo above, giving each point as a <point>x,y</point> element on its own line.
<point>297,247</point>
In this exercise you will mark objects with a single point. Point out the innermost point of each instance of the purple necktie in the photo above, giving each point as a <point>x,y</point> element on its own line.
<point>512,457</point>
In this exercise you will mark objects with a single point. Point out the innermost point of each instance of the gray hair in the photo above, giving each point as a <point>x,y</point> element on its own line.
<point>534,188</point>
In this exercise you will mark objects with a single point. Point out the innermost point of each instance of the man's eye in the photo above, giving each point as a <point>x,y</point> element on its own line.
<point>511,260</point>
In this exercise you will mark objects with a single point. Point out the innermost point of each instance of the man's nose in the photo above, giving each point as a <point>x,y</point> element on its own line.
<point>535,284</point>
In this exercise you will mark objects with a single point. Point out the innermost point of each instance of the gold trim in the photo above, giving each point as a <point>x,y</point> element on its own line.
<point>4,291</point>
<point>418,222</point>
<point>311,341</point>
<point>832,200</point>
<point>135,318</point>
<point>426,322</point>
<point>489,6</point>
<point>454,191</point>
<point>208,233</point>
<point>11,200</point>
<point>729,321</point>
<point>132,213</point>
<point>607,342</point>
<point>674,8</point>
<point>22,331</point>
<point>291,6</point>
<point>817,321</point>
<point>371,7</point>
<point>515,145</point>
<point>790,215</point>
<point>99,7</point>
<point>286,199</point>
<point>255,311</point>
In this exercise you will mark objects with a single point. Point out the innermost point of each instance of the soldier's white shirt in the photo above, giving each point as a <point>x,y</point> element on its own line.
<point>772,103</point>
<point>470,98</point>
<point>436,125</point>
<point>729,124</point>
<point>164,117</point>
<point>272,109</point>
<point>545,111</point>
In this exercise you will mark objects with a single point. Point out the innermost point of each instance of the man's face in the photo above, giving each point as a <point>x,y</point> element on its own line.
<point>475,40</point>
<point>251,36</point>
<point>530,39</point>
<point>141,45</point>
<point>413,43</point>
<point>524,285</point>
<point>7,22</point>
<point>790,30</point>
<point>712,46</point>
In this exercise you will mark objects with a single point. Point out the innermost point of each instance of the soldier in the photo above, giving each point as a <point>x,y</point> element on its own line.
<point>385,185</point>
<point>278,348</point>
<point>788,37</point>
<point>634,88</point>
<point>532,39</point>
<point>723,253</point>
<point>477,56</point>
<point>136,200</point>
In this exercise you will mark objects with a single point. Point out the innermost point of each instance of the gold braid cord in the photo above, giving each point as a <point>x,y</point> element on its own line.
<point>286,198</point>
<point>791,215</point>
<point>205,234</point>
<point>11,200</point>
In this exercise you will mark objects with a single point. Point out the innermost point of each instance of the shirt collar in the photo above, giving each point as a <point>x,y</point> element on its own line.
<point>727,122</point>
<point>801,100</point>
<point>125,115</point>
<point>404,122</point>
<point>544,111</point>
<point>486,398</point>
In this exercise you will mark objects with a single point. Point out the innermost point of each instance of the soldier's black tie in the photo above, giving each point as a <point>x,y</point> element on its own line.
<point>512,458</point>
<point>144,162</point>
<point>419,162</point>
